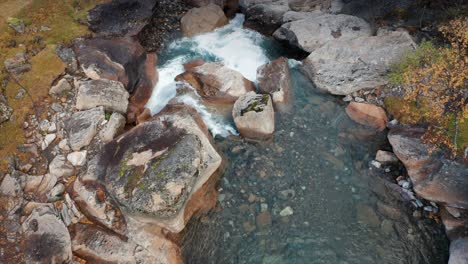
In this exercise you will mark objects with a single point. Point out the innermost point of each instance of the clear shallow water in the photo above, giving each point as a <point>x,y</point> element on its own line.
<point>317,165</point>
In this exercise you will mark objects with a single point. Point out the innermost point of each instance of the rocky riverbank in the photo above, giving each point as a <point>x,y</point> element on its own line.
<point>110,183</point>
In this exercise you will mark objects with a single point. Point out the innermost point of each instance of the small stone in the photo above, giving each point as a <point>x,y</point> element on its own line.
<point>52,128</point>
<point>47,140</point>
<point>263,207</point>
<point>359,100</point>
<point>263,220</point>
<point>376,164</point>
<point>287,211</point>
<point>62,86</point>
<point>21,93</point>
<point>77,158</point>
<point>428,208</point>
<point>347,98</point>
<point>44,125</point>
<point>287,194</point>
<point>252,198</point>
<point>386,157</point>
<point>63,145</point>
<point>115,125</point>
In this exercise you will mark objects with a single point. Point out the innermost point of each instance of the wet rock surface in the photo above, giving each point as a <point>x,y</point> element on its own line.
<point>216,82</point>
<point>274,78</point>
<point>202,20</point>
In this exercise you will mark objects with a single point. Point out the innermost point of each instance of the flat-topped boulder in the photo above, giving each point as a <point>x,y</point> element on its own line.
<point>202,20</point>
<point>254,116</point>
<point>155,170</point>
<point>314,31</point>
<point>112,95</point>
<point>215,82</point>
<point>264,15</point>
<point>274,78</point>
<point>345,66</point>
<point>82,127</point>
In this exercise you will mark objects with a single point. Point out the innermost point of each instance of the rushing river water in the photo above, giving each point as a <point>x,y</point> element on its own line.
<point>307,196</point>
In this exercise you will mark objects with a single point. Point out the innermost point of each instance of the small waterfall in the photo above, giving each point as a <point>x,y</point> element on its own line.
<point>240,49</point>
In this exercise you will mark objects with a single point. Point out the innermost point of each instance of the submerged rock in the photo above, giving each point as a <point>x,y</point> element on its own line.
<point>254,116</point>
<point>368,115</point>
<point>109,94</point>
<point>217,83</point>
<point>274,78</point>
<point>156,170</point>
<point>202,20</point>
<point>344,66</point>
<point>313,32</point>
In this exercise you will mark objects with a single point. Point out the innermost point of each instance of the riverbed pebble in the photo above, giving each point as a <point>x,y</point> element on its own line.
<point>287,211</point>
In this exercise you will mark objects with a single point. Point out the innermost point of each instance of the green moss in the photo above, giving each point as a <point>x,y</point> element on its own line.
<point>257,104</point>
<point>14,21</point>
<point>423,55</point>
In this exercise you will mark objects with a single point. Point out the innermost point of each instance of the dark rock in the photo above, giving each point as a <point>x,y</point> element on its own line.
<point>46,237</point>
<point>274,78</point>
<point>121,17</point>
<point>124,60</point>
<point>264,16</point>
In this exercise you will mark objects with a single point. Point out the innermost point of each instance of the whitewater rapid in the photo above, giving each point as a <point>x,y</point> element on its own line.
<point>238,48</point>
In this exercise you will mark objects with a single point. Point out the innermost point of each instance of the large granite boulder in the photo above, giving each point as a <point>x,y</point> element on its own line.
<point>459,251</point>
<point>433,178</point>
<point>345,66</point>
<point>274,78</point>
<point>264,15</point>
<point>46,238</point>
<point>217,83</point>
<point>202,20</point>
<point>82,127</point>
<point>109,94</point>
<point>121,18</point>
<point>97,246</point>
<point>98,206</point>
<point>123,60</point>
<point>367,115</point>
<point>254,116</point>
<point>312,33</point>
<point>160,169</point>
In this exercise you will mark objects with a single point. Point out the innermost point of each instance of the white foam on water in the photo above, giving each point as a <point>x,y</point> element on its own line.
<point>215,123</point>
<point>236,47</point>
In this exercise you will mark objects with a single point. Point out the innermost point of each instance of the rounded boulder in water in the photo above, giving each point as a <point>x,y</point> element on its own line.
<point>203,20</point>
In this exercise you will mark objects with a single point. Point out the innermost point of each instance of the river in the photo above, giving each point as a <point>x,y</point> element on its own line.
<point>309,195</point>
